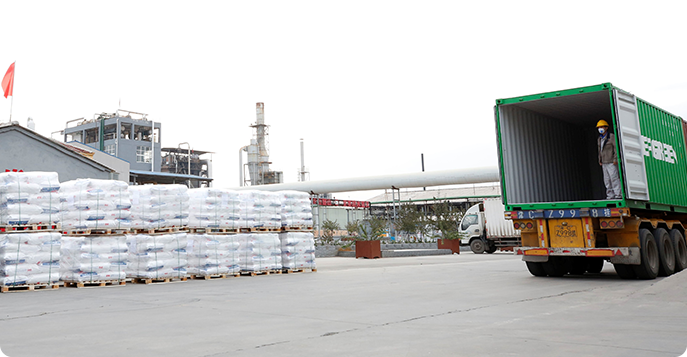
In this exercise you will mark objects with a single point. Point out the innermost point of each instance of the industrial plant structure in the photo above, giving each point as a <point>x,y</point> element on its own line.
<point>258,162</point>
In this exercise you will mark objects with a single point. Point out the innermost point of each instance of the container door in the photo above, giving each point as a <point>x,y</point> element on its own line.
<point>630,140</point>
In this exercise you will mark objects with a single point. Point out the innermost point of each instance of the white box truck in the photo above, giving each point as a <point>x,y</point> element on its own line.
<point>485,229</point>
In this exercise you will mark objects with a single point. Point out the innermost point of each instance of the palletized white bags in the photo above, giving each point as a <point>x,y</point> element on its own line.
<point>29,198</point>
<point>296,209</point>
<point>212,254</point>
<point>93,258</point>
<point>259,252</point>
<point>159,206</point>
<point>216,208</point>
<point>157,256</point>
<point>262,209</point>
<point>297,250</point>
<point>29,258</point>
<point>95,204</point>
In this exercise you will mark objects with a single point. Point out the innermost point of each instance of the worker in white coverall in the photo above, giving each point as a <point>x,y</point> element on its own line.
<point>608,159</point>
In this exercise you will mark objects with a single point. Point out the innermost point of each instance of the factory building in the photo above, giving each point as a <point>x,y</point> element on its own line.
<point>258,163</point>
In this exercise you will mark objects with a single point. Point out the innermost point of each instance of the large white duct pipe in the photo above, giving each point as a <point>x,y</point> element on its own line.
<point>419,179</point>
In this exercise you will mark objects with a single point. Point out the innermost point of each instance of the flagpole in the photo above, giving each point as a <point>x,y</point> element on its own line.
<point>11,106</point>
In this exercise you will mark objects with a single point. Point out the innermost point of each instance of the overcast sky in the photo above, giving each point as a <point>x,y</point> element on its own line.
<point>369,85</point>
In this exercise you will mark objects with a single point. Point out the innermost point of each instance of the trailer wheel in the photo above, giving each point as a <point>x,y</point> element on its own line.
<point>666,253</point>
<point>536,268</point>
<point>477,246</point>
<point>648,251</point>
<point>595,265</point>
<point>680,248</point>
<point>578,266</point>
<point>492,248</point>
<point>625,271</point>
<point>555,267</point>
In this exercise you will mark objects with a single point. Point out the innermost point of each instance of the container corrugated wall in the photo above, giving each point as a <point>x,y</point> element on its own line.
<point>664,155</point>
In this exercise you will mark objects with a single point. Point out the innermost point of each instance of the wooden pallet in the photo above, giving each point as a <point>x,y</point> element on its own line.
<point>88,232</point>
<point>157,280</point>
<point>260,229</point>
<point>299,270</point>
<point>262,272</point>
<point>81,284</point>
<point>28,228</point>
<point>28,287</point>
<point>296,228</point>
<point>214,230</point>
<point>166,230</point>
<point>213,276</point>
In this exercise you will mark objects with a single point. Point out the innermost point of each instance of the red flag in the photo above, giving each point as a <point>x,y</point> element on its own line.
<point>8,81</point>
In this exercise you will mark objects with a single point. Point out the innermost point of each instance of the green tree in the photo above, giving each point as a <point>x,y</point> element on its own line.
<point>410,220</point>
<point>445,220</point>
<point>372,228</point>
<point>328,229</point>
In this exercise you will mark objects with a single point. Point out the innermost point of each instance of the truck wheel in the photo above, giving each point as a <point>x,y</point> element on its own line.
<point>555,267</point>
<point>680,248</point>
<point>536,268</point>
<point>477,246</point>
<point>578,266</point>
<point>492,248</point>
<point>625,271</point>
<point>648,251</point>
<point>666,253</point>
<point>595,265</point>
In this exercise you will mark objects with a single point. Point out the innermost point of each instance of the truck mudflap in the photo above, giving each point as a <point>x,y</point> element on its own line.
<point>617,255</point>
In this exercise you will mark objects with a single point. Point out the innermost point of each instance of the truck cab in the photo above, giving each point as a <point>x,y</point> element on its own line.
<point>472,225</point>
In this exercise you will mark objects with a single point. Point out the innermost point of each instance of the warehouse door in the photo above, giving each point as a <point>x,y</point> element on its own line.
<point>631,146</point>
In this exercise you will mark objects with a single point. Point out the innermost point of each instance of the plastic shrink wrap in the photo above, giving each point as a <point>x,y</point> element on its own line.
<point>93,258</point>
<point>157,256</point>
<point>262,209</point>
<point>95,204</point>
<point>29,198</point>
<point>212,254</point>
<point>29,258</point>
<point>259,252</point>
<point>297,250</point>
<point>159,206</point>
<point>296,209</point>
<point>216,208</point>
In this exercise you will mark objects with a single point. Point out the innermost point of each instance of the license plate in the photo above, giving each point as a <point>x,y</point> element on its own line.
<point>566,213</point>
<point>566,232</point>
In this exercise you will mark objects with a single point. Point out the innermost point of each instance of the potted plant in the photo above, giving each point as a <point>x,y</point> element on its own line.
<point>445,221</point>
<point>367,244</point>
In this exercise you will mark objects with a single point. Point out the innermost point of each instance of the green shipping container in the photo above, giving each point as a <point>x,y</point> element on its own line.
<point>548,151</point>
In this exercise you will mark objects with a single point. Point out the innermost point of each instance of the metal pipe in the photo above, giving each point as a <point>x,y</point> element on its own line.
<point>241,180</point>
<point>302,162</point>
<point>417,179</point>
<point>189,161</point>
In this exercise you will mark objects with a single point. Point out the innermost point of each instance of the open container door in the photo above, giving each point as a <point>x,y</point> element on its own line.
<point>631,144</point>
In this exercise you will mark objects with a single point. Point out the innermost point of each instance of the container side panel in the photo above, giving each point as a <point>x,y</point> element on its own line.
<point>496,224</point>
<point>630,140</point>
<point>663,147</point>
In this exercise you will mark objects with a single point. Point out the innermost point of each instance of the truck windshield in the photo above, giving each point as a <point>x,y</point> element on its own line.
<point>468,221</point>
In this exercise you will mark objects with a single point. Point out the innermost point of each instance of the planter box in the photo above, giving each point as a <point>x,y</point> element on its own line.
<point>369,249</point>
<point>452,244</point>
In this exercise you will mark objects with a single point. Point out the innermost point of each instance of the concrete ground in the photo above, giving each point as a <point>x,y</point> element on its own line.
<point>459,305</point>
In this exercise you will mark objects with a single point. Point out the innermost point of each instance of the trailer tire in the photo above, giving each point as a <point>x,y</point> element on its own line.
<point>648,251</point>
<point>666,253</point>
<point>492,248</point>
<point>536,268</point>
<point>477,246</point>
<point>625,271</point>
<point>595,265</point>
<point>578,265</point>
<point>555,267</point>
<point>680,248</point>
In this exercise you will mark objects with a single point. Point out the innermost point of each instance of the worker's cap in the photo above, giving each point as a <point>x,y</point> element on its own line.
<point>601,123</point>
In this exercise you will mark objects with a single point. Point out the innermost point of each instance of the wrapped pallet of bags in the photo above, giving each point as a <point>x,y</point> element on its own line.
<point>215,208</point>
<point>93,259</point>
<point>259,252</point>
<point>29,198</point>
<point>157,256</point>
<point>296,209</point>
<point>262,209</point>
<point>29,258</point>
<point>212,255</point>
<point>159,206</point>
<point>91,204</point>
<point>298,251</point>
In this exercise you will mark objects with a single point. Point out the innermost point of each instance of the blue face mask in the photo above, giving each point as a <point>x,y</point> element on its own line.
<point>602,131</point>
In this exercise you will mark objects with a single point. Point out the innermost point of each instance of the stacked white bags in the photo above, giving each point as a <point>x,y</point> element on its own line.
<point>159,206</point>
<point>215,208</point>
<point>29,198</point>
<point>212,254</point>
<point>93,258</point>
<point>297,250</point>
<point>259,252</point>
<point>262,209</point>
<point>95,204</point>
<point>29,258</point>
<point>296,209</point>
<point>157,256</point>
